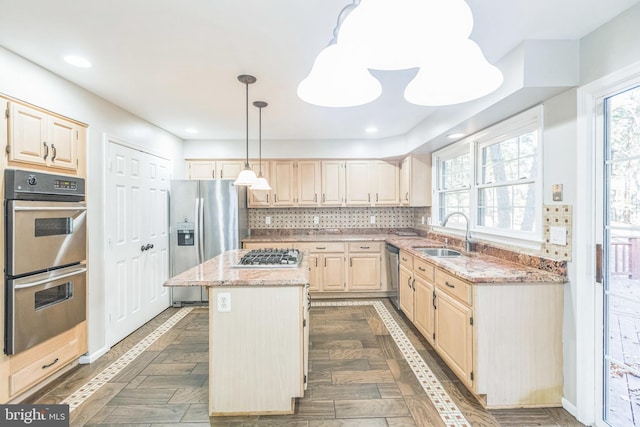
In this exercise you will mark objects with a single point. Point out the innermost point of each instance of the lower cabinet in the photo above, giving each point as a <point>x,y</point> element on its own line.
<point>38,363</point>
<point>502,340</point>
<point>365,266</point>
<point>326,265</point>
<point>424,301</point>
<point>453,335</point>
<point>261,342</point>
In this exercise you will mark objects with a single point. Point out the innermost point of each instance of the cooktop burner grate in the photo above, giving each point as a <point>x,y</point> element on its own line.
<point>270,258</point>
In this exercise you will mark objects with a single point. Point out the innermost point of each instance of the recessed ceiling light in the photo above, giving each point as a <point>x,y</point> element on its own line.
<point>371,129</point>
<point>455,135</point>
<point>77,61</point>
<point>191,131</point>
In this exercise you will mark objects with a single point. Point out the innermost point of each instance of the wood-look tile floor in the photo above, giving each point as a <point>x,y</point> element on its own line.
<point>357,377</point>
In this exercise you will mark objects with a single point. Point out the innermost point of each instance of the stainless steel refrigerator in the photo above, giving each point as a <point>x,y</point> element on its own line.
<point>207,218</point>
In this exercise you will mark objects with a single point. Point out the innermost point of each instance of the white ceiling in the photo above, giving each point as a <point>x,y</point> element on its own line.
<point>175,62</point>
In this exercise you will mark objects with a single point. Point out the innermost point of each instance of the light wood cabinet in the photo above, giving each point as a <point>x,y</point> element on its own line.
<point>214,169</point>
<point>327,271</point>
<point>42,139</point>
<point>333,183</point>
<point>32,366</point>
<point>358,182</point>
<point>406,284</point>
<point>415,180</point>
<point>386,176</point>
<point>454,335</point>
<point>372,183</point>
<point>424,298</point>
<point>283,184</point>
<point>308,177</point>
<point>201,169</point>
<point>263,340</point>
<point>260,198</point>
<point>365,266</point>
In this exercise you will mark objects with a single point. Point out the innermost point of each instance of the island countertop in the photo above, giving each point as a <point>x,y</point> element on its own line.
<point>219,271</point>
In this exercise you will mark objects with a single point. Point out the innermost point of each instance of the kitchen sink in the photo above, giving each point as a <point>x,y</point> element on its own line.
<point>439,252</point>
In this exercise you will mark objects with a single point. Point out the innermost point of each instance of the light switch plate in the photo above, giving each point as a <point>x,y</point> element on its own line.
<point>316,219</point>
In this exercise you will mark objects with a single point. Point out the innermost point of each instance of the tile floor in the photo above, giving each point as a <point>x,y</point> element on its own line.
<point>367,368</point>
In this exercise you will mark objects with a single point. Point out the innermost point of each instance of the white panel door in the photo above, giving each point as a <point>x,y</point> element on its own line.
<point>137,229</point>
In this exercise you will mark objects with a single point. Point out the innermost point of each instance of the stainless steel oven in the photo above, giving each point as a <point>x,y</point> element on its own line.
<point>45,254</point>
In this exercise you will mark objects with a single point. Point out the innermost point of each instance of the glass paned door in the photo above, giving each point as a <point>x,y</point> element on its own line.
<point>622,259</point>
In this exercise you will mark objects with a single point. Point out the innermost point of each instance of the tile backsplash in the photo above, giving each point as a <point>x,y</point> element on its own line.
<point>336,218</point>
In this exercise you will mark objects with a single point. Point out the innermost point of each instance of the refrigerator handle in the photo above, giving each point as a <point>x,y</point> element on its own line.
<point>200,230</point>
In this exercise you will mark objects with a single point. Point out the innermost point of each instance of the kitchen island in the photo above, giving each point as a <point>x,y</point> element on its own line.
<point>258,334</point>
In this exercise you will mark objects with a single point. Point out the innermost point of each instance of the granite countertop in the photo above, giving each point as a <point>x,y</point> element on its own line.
<point>473,267</point>
<point>218,271</point>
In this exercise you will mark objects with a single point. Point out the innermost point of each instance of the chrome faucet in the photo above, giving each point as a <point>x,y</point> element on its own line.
<point>467,235</point>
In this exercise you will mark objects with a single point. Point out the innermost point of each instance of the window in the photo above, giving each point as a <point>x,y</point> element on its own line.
<point>494,178</point>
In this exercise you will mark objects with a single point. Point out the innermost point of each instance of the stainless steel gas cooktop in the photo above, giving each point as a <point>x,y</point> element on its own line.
<point>270,258</point>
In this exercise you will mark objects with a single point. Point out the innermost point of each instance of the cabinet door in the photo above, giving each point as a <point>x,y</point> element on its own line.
<point>405,287</point>
<point>333,183</point>
<point>314,273</point>
<point>63,135</point>
<point>364,272</point>
<point>308,178</point>
<point>229,169</point>
<point>386,178</point>
<point>282,183</point>
<point>201,169</point>
<point>333,274</point>
<point>405,177</point>
<point>28,135</point>
<point>358,185</point>
<point>424,317</point>
<point>454,337</point>
<point>260,198</point>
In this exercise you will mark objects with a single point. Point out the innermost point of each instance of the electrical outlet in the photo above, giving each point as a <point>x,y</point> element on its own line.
<point>422,219</point>
<point>429,220</point>
<point>224,302</point>
<point>316,219</point>
<point>267,220</point>
<point>373,219</point>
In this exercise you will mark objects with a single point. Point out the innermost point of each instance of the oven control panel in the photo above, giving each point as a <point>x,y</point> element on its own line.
<point>29,185</point>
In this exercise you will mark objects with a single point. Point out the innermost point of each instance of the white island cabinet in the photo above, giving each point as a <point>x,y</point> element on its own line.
<point>258,334</point>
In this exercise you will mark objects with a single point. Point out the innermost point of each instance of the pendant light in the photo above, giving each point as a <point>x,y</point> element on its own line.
<point>246,176</point>
<point>262,183</point>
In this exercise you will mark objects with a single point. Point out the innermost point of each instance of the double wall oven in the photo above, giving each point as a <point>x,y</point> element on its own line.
<point>45,257</point>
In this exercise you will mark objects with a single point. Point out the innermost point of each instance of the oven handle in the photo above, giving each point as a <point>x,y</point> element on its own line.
<point>50,279</point>
<point>49,208</point>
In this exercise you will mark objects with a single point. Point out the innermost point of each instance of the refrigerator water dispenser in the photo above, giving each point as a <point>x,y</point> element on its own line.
<point>185,233</point>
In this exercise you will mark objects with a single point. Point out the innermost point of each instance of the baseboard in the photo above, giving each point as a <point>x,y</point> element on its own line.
<point>570,407</point>
<point>90,358</point>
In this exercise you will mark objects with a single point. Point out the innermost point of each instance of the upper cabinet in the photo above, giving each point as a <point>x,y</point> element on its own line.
<point>333,182</point>
<point>41,139</point>
<point>372,183</point>
<point>415,180</point>
<point>328,183</point>
<point>214,169</point>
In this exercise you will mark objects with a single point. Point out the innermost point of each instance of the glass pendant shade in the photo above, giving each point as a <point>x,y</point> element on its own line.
<point>246,177</point>
<point>261,184</point>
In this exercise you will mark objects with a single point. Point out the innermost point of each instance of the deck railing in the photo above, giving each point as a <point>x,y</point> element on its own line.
<point>625,258</point>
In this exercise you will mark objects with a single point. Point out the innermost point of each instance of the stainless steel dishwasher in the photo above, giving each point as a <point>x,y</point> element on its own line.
<point>393,271</point>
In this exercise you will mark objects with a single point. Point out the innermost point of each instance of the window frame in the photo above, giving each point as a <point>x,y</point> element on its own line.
<point>520,124</point>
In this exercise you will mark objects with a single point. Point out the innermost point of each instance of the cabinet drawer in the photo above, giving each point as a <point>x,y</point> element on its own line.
<point>423,269</point>
<point>321,246</point>
<point>453,286</point>
<point>54,355</point>
<point>267,245</point>
<point>365,247</point>
<point>406,260</point>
